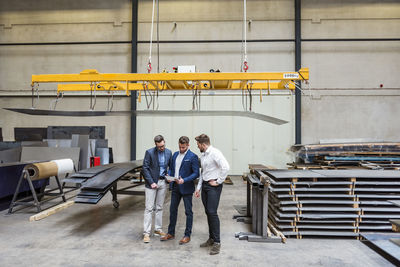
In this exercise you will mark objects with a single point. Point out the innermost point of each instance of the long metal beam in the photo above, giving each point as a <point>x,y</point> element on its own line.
<point>95,76</point>
<point>117,86</point>
<point>209,41</point>
<point>152,113</point>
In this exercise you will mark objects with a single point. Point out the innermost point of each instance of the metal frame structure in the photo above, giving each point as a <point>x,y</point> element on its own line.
<point>34,200</point>
<point>257,209</point>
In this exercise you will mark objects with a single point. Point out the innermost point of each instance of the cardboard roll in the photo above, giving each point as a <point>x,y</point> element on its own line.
<point>42,170</point>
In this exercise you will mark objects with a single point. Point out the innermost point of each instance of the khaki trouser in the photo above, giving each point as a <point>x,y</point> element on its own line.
<point>154,202</point>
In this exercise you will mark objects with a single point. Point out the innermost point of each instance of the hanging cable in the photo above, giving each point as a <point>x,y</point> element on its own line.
<point>149,68</point>
<point>110,99</point>
<point>92,90</point>
<point>250,96</point>
<point>145,89</point>
<point>53,104</point>
<point>35,89</point>
<point>245,66</point>
<point>244,100</point>
<point>158,39</point>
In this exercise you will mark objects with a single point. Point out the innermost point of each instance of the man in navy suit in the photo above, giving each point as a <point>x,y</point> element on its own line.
<point>185,169</point>
<point>156,162</point>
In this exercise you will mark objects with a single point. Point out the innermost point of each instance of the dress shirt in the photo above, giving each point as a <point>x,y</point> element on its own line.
<point>214,166</point>
<point>161,162</point>
<point>178,163</point>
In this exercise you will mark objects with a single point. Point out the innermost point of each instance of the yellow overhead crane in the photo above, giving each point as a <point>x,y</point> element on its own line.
<point>95,81</point>
<point>127,82</point>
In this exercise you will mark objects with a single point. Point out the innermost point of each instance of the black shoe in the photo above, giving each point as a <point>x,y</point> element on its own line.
<point>208,243</point>
<point>215,248</point>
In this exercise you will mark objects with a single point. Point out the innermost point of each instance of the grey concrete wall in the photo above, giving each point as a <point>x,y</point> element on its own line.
<point>345,100</point>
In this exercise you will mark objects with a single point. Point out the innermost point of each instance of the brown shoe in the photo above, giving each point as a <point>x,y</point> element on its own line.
<point>216,247</point>
<point>208,243</point>
<point>167,237</point>
<point>184,240</point>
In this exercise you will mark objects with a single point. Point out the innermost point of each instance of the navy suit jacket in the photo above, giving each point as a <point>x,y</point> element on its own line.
<point>189,171</point>
<point>151,167</point>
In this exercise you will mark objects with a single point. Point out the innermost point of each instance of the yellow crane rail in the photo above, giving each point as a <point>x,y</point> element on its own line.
<point>172,81</point>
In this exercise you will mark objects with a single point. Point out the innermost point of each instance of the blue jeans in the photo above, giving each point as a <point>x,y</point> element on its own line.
<point>176,197</point>
<point>210,196</point>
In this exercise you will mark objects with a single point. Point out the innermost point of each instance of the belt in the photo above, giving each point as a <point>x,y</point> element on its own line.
<point>206,182</point>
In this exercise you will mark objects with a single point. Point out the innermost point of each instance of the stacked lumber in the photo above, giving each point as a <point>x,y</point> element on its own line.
<point>340,156</point>
<point>326,203</point>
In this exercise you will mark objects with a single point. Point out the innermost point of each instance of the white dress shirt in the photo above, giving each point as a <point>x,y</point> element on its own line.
<point>178,162</point>
<point>214,166</point>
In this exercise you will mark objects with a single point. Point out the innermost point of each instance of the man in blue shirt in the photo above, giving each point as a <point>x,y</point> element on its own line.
<point>155,166</point>
<point>185,169</point>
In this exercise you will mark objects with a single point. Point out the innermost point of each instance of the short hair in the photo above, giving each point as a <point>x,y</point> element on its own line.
<point>203,139</point>
<point>159,138</point>
<point>184,140</point>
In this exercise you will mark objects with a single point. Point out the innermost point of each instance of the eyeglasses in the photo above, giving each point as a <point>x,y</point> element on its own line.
<point>160,147</point>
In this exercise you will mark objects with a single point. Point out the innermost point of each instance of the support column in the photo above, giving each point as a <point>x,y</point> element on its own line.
<point>297,26</point>
<point>134,70</point>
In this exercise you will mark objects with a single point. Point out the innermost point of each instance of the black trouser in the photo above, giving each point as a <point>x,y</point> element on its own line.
<point>210,197</point>
<point>176,197</point>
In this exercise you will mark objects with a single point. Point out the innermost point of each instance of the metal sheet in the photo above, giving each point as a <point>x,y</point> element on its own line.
<point>327,233</point>
<point>29,134</point>
<point>306,189</point>
<point>380,216</point>
<point>395,202</point>
<point>284,174</point>
<point>59,142</point>
<point>359,173</point>
<point>395,241</point>
<point>74,180</point>
<point>50,153</point>
<point>107,177</point>
<point>87,200</point>
<point>381,243</point>
<point>164,113</point>
<point>381,209</point>
<point>8,145</point>
<point>370,174</point>
<point>319,202</point>
<point>375,227</point>
<point>104,155</point>
<point>345,196</point>
<point>316,227</point>
<point>10,155</point>
<point>94,170</point>
<point>66,132</point>
<point>82,142</point>
<point>321,209</point>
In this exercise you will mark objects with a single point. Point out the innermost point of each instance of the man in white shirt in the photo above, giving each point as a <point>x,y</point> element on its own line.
<point>214,169</point>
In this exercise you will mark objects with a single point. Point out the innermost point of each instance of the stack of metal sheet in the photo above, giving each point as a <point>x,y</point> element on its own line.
<point>382,155</point>
<point>96,182</point>
<point>340,203</point>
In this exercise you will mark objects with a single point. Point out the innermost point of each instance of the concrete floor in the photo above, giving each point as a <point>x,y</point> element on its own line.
<point>99,235</point>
